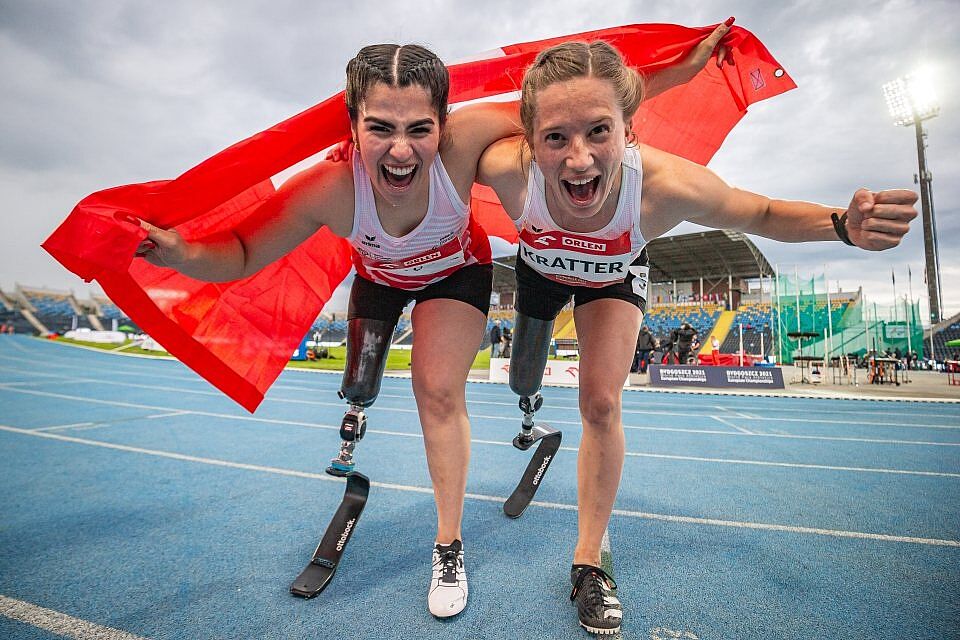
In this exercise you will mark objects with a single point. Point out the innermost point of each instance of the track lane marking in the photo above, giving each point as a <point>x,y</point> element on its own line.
<point>59,623</point>
<point>777,434</point>
<point>627,402</point>
<point>730,424</point>
<point>689,394</point>
<point>272,398</point>
<point>330,427</point>
<point>489,498</point>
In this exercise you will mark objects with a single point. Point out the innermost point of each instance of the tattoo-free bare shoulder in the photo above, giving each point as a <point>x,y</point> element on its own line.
<point>472,129</point>
<point>324,194</point>
<point>504,166</point>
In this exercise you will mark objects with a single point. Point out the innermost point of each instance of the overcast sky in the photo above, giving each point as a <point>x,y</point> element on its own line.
<point>101,93</point>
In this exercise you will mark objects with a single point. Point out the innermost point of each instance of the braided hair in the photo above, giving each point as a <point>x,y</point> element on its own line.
<point>396,66</point>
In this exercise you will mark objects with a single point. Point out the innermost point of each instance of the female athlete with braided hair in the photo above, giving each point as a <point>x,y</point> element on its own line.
<point>587,198</point>
<point>405,212</point>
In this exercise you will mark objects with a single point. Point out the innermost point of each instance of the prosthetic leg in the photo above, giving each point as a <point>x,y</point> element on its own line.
<point>367,344</point>
<point>531,343</point>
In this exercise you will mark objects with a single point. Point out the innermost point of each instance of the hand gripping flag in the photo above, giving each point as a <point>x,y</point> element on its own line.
<point>239,335</point>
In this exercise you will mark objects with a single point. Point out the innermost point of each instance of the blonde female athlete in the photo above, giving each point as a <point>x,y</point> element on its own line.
<point>587,198</point>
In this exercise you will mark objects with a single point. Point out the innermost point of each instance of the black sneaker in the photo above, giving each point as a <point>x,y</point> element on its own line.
<point>595,594</point>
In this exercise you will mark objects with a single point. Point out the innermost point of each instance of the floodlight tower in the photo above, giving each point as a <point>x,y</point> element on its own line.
<point>911,100</point>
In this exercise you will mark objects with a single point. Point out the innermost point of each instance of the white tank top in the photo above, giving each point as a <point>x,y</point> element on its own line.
<point>437,247</point>
<point>597,259</point>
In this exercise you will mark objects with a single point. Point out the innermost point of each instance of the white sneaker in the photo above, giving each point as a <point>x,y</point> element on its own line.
<point>448,586</point>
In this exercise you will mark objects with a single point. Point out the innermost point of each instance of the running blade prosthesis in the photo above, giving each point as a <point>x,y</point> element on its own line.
<point>537,467</point>
<point>318,574</point>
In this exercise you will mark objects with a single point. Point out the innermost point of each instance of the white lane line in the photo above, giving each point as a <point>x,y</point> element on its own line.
<point>730,424</point>
<point>313,425</point>
<point>23,384</point>
<point>737,413</point>
<point>627,403</point>
<point>17,346</point>
<point>759,463</point>
<point>58,623</point>
<point>169,414</point>
<point>792,465</point>
<point>154,387</point>
<point>149,370</point>
<point>790,436</point>
<point>65,426</point>
<point>574,423</point>
<point>785,528</point>
<point>487,498</point>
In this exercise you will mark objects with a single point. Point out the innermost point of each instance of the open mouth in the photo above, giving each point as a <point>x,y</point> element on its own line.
<point>582,190</point>
<point>398,177</point>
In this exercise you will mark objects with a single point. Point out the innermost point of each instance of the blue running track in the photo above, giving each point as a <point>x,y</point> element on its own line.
<point>142,503</point>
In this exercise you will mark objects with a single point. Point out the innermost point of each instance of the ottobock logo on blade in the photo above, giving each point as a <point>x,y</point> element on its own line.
<point>346,533</point>
<point>583,244</point>
<point>543,467</point>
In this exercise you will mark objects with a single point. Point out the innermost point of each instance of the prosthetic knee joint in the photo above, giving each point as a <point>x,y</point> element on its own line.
<point>531,345</point>
<point>367,344</point>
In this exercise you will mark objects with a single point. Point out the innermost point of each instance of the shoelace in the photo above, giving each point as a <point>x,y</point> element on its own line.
<point>594,598</point>
<point>449,561</point>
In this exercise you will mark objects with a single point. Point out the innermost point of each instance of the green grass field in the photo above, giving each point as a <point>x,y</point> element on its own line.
<point>397,359</point>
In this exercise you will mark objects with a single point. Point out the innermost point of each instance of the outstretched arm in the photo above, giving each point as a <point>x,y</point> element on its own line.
<point>305,203</point>
<point>686,69</point>
<point>675,190</point>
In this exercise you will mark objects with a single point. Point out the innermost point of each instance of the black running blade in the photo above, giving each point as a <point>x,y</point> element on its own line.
<point>536,469</point>
<point>318,574</point>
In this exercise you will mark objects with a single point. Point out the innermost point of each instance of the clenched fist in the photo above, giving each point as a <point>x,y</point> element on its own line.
<point>878,220</point>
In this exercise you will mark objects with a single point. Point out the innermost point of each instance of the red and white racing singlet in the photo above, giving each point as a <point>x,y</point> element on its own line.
<point>598,259</point>
<point>445,240</point>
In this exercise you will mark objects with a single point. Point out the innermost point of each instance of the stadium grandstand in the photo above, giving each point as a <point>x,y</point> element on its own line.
<point>722,285</point>
<point>697,278</point>
<point>46,312</point>
<point>717,281</point>
<point>940,334</point>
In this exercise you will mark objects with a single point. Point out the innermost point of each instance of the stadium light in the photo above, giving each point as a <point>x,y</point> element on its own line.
<point>911,97</point>
<point>911,100</point>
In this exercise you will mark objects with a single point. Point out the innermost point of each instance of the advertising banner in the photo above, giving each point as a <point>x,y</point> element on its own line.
<point>556,371</point>
<point>716,377</point>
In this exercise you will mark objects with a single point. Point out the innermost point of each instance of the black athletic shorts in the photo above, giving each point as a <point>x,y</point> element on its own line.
<point>542,298</point>
<point>471,284</point>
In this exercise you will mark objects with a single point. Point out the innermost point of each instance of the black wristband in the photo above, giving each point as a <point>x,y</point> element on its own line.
<point>840,226</point>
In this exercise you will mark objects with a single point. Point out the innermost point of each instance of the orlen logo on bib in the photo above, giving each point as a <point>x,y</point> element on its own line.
<point>583,244</point>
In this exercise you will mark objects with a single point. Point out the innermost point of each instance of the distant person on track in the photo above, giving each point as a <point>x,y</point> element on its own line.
<point>496,338</point>
<point>685,335</point>
<point>506,340</point>
<point>646,343</point>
